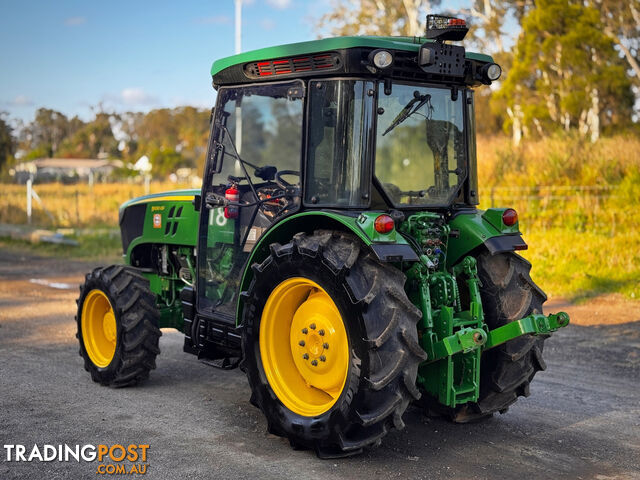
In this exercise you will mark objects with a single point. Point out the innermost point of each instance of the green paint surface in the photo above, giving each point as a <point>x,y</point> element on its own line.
<point>408,44</point>
<point>475,229</point>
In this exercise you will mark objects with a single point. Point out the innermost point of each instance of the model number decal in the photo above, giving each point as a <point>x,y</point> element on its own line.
<point>219,219</point>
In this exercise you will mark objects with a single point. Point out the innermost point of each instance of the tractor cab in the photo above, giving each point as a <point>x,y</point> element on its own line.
<point>348,124</point>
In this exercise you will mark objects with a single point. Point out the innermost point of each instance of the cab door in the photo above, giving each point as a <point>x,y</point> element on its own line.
<point>254,158</point>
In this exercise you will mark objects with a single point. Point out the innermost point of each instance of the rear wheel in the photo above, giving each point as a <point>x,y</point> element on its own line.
<point>117,326</point>
<point>330,344</point>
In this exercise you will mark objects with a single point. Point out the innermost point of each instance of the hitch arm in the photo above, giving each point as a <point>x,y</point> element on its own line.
<point>467,340</point>
<point>535,324</point>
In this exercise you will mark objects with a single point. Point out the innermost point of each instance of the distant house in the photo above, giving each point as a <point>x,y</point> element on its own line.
<point>65,170</point>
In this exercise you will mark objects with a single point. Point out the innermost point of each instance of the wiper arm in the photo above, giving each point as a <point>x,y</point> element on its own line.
<point>409,109</point>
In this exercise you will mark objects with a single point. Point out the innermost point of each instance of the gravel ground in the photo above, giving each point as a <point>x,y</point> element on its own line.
<point>582,419</point>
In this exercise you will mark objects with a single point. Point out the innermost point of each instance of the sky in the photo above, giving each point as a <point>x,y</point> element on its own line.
<point>131,55</point>
<point>75,56</point>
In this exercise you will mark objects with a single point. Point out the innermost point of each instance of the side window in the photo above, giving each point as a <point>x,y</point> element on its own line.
<point>257,146</point>
<point>340,113</point>
<point>264,126</point>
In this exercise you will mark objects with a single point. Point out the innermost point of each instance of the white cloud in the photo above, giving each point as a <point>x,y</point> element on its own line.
<point>215,20</point>
<point>21,101</point>
<point>267,24</point>
<point>279,4</point>
<point>136,96</point>
<point>73,21</point>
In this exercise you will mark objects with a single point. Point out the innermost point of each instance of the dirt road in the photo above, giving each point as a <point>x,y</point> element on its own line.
<point>582,419</point>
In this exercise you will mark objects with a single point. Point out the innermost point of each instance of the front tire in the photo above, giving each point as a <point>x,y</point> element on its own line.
<point>117,326</point>
<point>328,279</point>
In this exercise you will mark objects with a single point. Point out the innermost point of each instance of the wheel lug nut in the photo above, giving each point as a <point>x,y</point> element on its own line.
<point>323,358</point>
<point>305,331</point>
<point>301,343</point>
<point>314,363</point>
<point>321,332</point>
<point>312,326</point>
<point>305,356</point>
<point>325,345</point>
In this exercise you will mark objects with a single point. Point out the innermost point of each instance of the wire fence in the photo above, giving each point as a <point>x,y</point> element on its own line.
<point>579,207</point>
<point>75,206</point>
<point>550,192</point>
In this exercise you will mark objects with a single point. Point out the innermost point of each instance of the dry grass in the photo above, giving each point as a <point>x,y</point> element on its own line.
<point>582,242</point>
<point>77,206</point>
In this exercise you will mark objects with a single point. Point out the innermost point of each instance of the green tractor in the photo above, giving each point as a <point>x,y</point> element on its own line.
<point>335,252</point>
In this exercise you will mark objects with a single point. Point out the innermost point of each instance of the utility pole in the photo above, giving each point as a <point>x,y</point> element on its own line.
<point>238,5</point>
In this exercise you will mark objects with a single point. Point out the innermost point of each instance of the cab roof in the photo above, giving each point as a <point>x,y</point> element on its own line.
<point>407,44</point>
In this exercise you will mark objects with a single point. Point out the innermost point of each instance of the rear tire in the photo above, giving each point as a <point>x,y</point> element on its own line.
<point>508,293</point>
<point>117,326</point>
<point>382,355</point>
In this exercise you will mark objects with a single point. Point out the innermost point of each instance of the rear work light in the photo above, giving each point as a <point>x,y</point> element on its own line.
<point>510,217</point>
<point>383,224</point>
<point>490,73</point>
<point>381,58</point>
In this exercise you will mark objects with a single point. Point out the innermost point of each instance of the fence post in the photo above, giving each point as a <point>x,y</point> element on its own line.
<point>77,209</point>
<point>29,199</point>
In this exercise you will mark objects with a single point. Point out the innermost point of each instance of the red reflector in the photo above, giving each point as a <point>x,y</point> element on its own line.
<point>383,224</point>
<point>509,217</point>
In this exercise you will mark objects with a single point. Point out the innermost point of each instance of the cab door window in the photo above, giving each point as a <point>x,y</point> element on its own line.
<point>255,159</point>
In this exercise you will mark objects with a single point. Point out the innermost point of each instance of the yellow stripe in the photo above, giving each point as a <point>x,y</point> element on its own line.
<point>168,198</point>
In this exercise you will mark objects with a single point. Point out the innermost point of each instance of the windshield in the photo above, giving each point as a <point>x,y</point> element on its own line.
<point>420,149</point>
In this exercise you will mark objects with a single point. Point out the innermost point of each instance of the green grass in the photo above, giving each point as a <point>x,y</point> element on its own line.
<point>105,248</point>
<point>581,243</point>
<point>582,265</point>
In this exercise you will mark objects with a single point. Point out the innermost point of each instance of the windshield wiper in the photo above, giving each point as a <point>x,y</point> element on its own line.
<point>415,104</point>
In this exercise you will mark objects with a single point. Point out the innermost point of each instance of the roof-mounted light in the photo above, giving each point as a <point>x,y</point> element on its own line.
<point>381,58</point>
<point>490,73</point>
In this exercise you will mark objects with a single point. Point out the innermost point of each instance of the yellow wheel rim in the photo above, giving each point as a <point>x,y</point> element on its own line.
<point>304,346</point>
<point>99,330</point>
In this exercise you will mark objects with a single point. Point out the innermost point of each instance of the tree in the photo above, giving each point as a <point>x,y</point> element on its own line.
<point>47,131</point>
<point>566,73</point>
<point>377,17</point>
<point>7,141</point>
<point>488,31</point>
<point>621,23</point>
<point>91,140</point>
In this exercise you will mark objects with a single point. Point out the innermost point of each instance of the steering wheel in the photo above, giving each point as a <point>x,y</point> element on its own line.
<point>283,183</point>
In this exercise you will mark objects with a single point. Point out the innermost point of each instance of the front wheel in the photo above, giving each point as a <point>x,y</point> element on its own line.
<point>117,326</point>
<point>330,344</point>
